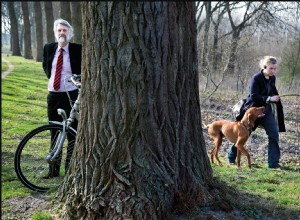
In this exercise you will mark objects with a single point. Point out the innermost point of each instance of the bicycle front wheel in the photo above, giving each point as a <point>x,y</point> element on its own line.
<point>30,161</point>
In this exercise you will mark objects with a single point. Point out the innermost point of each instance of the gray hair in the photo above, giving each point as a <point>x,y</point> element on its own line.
<point>64,23</point>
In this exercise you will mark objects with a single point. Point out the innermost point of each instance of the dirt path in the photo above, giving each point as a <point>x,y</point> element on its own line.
<point>10,68</point>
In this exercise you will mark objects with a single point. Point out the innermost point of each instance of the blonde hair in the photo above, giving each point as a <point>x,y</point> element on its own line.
<point>267,60</point>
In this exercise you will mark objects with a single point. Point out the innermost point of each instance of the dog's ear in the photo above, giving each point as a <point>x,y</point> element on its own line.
<point>250,120</point>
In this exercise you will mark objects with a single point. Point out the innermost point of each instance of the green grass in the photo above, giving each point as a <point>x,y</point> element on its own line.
<point>280,186</point>
<point>4,67</point>
<point>260,191</point>
<point>41,216</point>
<point>24,101</point>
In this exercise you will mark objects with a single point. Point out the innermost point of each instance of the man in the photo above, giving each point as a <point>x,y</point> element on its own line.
<point>61,59</point>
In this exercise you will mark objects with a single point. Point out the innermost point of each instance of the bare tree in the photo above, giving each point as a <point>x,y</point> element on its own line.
<point>5,24</point>
<point>208,16</point>
<point>27,31</point>
<point>251,11</point>
<point>76,16</point>
<point>49,20</point>
<point>65,11</point>
<point>219,60</point>
<point>210,8</point>
<point>216,54</point>
<point>140,150</point>
<point>291,62</point>
<point>14,30</point>
<point>38,31</point>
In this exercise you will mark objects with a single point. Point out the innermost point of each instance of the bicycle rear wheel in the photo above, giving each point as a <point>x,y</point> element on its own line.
<point>30,163</point>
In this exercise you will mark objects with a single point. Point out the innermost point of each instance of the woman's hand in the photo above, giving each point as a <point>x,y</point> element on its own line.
<point>275,98</point>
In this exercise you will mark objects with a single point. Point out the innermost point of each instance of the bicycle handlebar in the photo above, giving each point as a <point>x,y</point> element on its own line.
<point>74,80</point>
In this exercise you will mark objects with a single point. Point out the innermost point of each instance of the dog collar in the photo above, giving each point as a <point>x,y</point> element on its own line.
<point>247,126</point>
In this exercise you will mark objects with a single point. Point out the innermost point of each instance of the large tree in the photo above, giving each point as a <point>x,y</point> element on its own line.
<point>49,20</point>
<point>140,150</point>
<point>38,30</point>
<point>27,31</point>
<point>65,11</point>
<point>14,30</point>
<point>76,20</point>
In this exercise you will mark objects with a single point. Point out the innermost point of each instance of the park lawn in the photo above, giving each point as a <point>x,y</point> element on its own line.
<point>24,101</point>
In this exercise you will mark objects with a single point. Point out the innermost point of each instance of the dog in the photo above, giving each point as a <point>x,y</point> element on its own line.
<point>236,132</point>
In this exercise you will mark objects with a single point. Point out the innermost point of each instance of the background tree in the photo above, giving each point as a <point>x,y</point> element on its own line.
<point>76,21</point>
<point>27,31</point>
<point>243,32</point>
<point>14,30</point>
<point>291,61</point>
<point>216,54</point>
<point>251,10</point>
<point>38,31</point>
<point>49,20</point>
<point>65,11</point>
<point>140,149</point>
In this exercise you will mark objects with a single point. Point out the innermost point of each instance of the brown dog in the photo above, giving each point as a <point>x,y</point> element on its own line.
<point>236,132</point>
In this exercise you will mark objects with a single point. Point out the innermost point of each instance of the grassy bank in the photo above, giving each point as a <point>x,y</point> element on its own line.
<point>24,93</point>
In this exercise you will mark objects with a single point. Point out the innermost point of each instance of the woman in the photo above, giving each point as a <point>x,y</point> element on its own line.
<point>263,92</point>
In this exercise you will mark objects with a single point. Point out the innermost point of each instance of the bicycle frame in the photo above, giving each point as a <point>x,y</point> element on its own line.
<point>66,123</point>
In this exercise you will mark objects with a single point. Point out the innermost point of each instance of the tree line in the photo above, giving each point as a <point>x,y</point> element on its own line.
<point>233,36</point>
<point>30,24</point>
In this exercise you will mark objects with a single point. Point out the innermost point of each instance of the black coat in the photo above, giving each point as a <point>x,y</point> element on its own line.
<point>75,57</point>
<point>260,89</point>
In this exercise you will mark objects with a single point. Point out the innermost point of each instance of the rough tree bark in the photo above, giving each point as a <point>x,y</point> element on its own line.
<point>27,31</point>
<point>16,51</point>
<point>49,21</point>
<point>38,31</point>
<point>140,151</point>
<point>76,19</point>
<point>65,11</point>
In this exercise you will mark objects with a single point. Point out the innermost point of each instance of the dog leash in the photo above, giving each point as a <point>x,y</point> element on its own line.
<point>289,95</point>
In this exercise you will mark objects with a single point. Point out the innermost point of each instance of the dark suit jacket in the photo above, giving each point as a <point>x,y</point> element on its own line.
<point>75,57</point>
<point>260,90</point>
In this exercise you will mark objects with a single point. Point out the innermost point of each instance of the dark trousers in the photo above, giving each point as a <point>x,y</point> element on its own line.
<point>270,126</point>
<point>57,100</point>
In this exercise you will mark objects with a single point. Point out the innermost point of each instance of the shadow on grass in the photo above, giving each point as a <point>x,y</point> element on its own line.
<point>229,203</point>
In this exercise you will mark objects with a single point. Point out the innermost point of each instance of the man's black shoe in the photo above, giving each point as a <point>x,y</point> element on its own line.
<point>276,166</point>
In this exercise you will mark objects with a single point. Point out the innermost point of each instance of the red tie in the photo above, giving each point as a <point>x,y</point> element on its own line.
<point>56,84</point>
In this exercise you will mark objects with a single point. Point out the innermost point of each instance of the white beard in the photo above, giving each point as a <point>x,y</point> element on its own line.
<point>62,40</point>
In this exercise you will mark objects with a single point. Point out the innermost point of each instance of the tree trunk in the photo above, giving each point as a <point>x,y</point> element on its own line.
<point>14,30</point>
<point>76,21</point>
<point>65,11</point>
<point>233,51</point>
<point>49,21</point>
<point>204,63</point>
<point>38,31</point>
<point>27,31</point>
<point>140,151</point>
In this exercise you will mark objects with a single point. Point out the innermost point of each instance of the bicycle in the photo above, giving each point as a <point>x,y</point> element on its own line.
<point>32,157</point>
